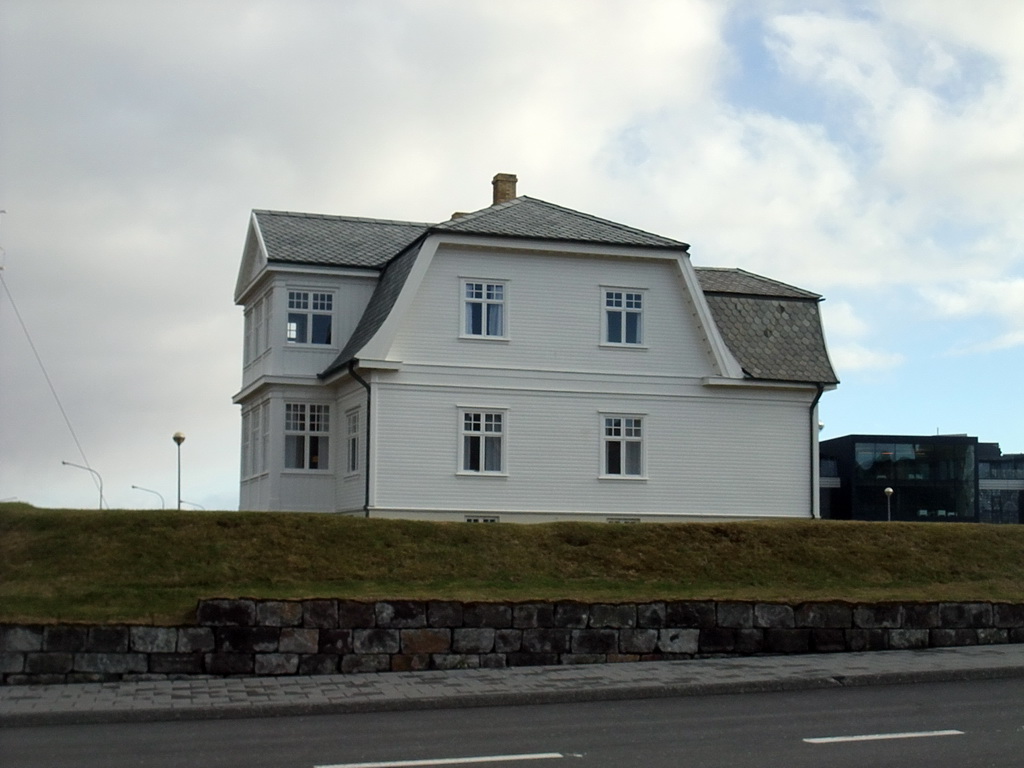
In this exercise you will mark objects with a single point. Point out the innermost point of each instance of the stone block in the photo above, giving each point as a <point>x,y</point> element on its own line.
<point>226,613</point>
<point>679,640</point>
<point>908,639</point>
<point>952,638</point>
<point>589,642</point>
<point>533,615</point>
<point>153,639</point>
<point>547,640</point>
<point>455,661</point>
<point>300,640</point>
<point>276,663</point>
<point>1008,615</point>
<point>622,658</point>
<point>15,638</point>
<point>858,640</point>
<point>717,640</point>
<point>493,660</point>
<point>426,641</point>
<point>828,640</point>
<point>651,615</point>
<point>773,616</point>
<point>1016,634</point>
<point>878,616</point>
<point>366,662</point>
<point>689,614</point>
<point>48,663</point>
<point>12,662</point>
<point>473,640</point>
<point>247,639</point>
<point>410,662</point>
<point>824,616</point>
<point>229,663</point>
<point>494,615</point>
<point>524,659</point>
<point>572,615</point>
<point>508,640</point>
<point>787,640</point>
<point>111,663</point>
<point>734,615</point>
<point>336,641</point>
<point>320,614</point>
<point>376,641</point>
<point>634,641</point>
<point>401,614</point>
<point>965,615</point>
<point>176,663</point>
<point>318,664</point>
<point>107,640</point>
<point>749,641</point>
<point>613,616</point>
<point>279,613</point>
<point>444,614</point>
<point>582,658</point>
<point>353,614</point>
<point>920,615</point>
<point>992,636</point>
<point>65,638</point>
<point>196,640</point>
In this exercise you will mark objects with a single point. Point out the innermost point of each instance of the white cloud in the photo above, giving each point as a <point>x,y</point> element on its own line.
<point>854,357</point>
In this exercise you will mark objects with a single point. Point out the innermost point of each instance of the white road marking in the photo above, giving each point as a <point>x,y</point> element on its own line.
<point>451,761</point>
<point>882,736</point>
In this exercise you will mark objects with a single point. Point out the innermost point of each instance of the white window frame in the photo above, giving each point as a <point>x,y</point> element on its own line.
<point>484,292</point>
<point>479,424</point>
<point>255,439</point>
<point>311,305</point>
<point>623,429</point>
<point>309,424</point>
<point>483,519</point>
<point>353,440</point>
<point>631,301</point>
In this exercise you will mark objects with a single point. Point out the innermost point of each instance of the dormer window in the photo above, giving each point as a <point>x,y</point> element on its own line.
<point>310,317</point>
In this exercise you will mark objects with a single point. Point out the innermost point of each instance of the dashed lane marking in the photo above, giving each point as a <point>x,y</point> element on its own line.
<point>882,736</point>
<point>451,761</point>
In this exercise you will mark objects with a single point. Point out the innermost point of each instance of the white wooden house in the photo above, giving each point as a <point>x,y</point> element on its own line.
<point>522,363</point>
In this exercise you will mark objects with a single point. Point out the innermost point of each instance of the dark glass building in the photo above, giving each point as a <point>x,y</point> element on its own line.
<point>1000,485</point>
<point>933,478</point>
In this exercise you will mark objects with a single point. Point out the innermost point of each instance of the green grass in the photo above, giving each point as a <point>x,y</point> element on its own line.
<point>124,565</point>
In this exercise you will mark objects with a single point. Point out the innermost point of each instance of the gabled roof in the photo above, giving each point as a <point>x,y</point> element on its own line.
<point>773,329</point>
<point>539,220</point>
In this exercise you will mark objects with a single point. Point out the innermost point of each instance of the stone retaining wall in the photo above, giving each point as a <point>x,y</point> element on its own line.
<point>317,637</point>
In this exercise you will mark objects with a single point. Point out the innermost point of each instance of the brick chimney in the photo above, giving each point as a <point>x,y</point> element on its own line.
<point>504,187</point>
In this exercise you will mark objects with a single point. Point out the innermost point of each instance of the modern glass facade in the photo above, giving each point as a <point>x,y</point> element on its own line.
<point>1000,485</point>
<point>932,478</point>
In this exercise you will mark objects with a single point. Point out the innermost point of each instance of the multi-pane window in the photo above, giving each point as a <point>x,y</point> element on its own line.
<point>309,317</point>
<point>352,440</point>
<point>483,439</point>
<point>623,446</point>
<point>484,309</point>
<point>255,439</point>
<point>256,330</point>
<point>623,317</point>
<point>306,440</point>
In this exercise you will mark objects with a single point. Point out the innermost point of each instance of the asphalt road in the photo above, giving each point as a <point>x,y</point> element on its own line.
<point>964,724</point>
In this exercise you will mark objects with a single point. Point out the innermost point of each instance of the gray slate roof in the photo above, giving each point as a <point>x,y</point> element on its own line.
<point>337,241</point>
<point>773,329</point>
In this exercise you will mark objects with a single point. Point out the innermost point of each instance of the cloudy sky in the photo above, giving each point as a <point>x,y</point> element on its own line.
<point>872,152</point>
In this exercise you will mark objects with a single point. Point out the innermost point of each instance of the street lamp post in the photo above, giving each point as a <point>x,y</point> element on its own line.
<point>179,438</point>
<point>88,469</point>
<point>149,490</point>
<point>888,504</point>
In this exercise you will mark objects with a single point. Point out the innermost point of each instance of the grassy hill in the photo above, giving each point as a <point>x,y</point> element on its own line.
<point>146,566</point>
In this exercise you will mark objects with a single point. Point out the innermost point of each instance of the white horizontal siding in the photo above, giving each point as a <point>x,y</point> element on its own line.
<point>727,454</point>
<point>553,315</point>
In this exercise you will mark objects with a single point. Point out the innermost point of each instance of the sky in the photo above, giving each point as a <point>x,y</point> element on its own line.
<point>871,152</point>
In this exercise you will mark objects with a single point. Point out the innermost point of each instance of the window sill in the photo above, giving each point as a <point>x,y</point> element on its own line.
<point>611,345</point>
<point>296,471</point>
<point>464,337</point>
<point>625,478</point>
<point>500,475</point>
